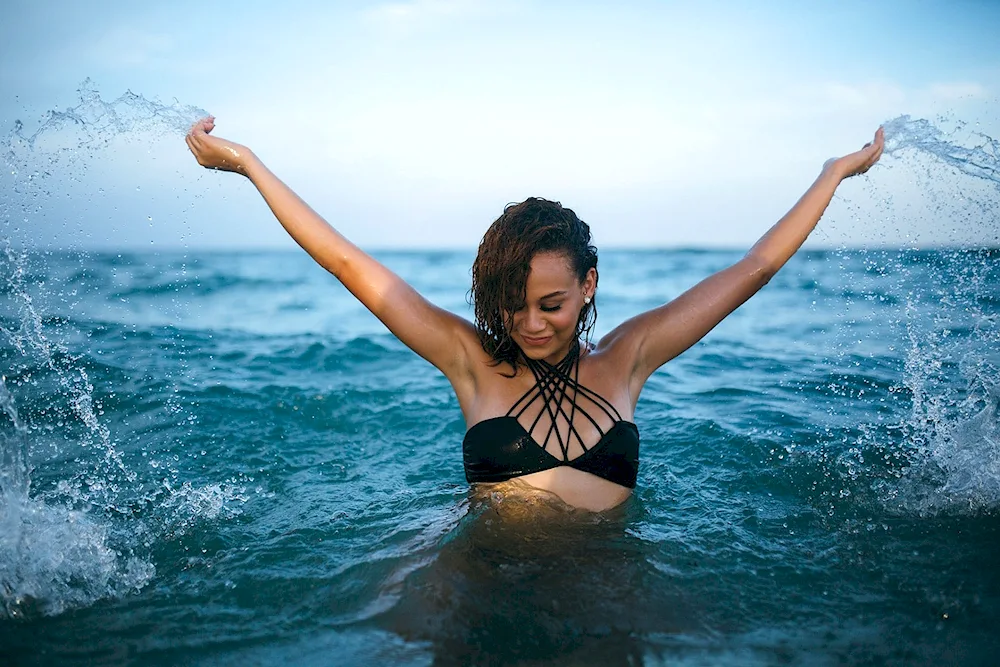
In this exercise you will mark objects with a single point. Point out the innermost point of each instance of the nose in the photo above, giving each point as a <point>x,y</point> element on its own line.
<point>533,322</point>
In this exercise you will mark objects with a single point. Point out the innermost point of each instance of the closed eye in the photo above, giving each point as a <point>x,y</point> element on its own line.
<point>551,309</point>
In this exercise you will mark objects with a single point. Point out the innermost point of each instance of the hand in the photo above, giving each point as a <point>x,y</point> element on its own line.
<point>215,152</point>
<point>860,161</point>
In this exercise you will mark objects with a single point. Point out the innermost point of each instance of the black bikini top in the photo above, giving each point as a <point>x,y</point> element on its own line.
<point>501,448</point>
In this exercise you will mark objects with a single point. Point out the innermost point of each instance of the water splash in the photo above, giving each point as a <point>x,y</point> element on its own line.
<point>40,355</point>
<point>71,137</point>
<point>55,553</point>
<point>949,323</point>
<point>937,185</point>
<point>88,164</point>
<point>980,160</point>
<point>14,473</point>
<point>73,542</point>
<point>951,372</point>
<point>52,557</point>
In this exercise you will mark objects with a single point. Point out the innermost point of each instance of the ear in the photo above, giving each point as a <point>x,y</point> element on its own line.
<point>590,282</point>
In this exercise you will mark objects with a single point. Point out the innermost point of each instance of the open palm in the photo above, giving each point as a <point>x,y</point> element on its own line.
<point>860,161</point>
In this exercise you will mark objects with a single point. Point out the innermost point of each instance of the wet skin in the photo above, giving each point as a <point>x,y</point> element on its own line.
<point>545,328</point>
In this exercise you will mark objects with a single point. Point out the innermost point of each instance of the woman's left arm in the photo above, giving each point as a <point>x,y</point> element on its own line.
<point>653,338</point>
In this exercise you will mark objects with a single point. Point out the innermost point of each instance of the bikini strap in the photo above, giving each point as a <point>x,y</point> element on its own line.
<point>557,385</point>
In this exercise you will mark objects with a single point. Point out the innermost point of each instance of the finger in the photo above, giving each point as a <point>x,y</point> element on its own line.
<point>203,125</point>
<point>194,150</point>
<point>878,146</point>
<point>877,141</point>
<point>191,147</point>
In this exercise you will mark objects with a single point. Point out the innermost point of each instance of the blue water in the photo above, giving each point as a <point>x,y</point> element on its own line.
<point>221,458</point>
<point>231,460</point>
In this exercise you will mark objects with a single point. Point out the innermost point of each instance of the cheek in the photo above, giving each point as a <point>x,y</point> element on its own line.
<point>565,319</point>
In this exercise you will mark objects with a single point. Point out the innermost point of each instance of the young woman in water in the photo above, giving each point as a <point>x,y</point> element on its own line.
<point>544,409</point>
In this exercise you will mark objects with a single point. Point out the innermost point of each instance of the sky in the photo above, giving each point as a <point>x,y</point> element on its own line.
<point>412,124</point>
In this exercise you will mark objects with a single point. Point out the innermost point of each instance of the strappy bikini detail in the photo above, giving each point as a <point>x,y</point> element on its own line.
<point>501,448</point>
<point>555,387</point>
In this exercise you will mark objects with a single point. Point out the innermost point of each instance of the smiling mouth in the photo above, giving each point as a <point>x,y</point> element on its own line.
<point>535,342</point>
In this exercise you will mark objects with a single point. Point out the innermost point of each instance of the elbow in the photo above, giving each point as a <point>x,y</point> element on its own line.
<point>760,269</point>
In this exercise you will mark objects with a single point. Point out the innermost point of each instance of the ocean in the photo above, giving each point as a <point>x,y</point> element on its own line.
<point>220,458</point>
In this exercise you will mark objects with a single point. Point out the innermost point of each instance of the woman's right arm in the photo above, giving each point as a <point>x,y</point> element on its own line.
<point>437,335</point>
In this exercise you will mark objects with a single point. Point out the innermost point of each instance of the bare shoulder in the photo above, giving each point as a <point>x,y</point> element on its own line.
<point>620,346</point>
<point>620,355</point>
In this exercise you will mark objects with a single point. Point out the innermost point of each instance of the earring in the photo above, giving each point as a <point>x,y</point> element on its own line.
<point>586,300</point>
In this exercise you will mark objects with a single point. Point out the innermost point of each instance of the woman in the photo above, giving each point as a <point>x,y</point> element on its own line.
<point>541,408</point>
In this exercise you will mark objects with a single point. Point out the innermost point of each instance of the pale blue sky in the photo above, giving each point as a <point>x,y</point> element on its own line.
<point>413,123</point>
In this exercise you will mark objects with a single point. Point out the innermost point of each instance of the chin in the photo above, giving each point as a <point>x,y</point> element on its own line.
<point>535,353</point>
<point>541,352</point>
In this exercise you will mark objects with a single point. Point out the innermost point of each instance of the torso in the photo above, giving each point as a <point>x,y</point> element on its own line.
<point>576,488</point>
<point>495,394</point>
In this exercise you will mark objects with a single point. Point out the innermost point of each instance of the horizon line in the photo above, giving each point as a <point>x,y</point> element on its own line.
<point>145,250</point>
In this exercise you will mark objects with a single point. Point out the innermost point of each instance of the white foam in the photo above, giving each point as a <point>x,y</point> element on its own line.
<point>187,504</point>
<point>53,559</point>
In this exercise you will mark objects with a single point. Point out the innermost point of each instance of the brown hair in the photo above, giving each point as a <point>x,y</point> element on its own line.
<point>500,272</point>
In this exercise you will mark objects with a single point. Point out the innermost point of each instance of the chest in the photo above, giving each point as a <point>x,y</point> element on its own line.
<point>565,412</point>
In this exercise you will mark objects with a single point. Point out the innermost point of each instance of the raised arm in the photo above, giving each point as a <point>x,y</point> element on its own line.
<point>440,337</point>
<point>653,338</point>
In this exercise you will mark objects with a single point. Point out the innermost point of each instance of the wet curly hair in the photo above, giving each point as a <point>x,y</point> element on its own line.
<point>500,272</point>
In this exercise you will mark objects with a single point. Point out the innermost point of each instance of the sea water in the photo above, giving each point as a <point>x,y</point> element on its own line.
<point>216,458</point>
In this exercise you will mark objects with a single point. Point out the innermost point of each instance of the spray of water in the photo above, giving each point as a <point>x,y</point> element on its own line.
<point>51,558</point>
<point>979,157</point>
<point>61,548</point>
<point>74,137</point>
<point>949,324</point>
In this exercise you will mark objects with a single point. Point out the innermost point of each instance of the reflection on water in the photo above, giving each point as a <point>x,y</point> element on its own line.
<point>523,577</point>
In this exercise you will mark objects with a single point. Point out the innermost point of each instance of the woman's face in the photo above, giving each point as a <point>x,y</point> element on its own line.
<point>546,327</point>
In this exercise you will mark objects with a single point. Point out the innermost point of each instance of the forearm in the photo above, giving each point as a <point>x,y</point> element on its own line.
<point>789,233</point>
<point>314,234</point>
<point>363,276</point>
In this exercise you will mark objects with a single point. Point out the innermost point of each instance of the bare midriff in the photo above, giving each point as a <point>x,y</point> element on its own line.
<point>576,488</point>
